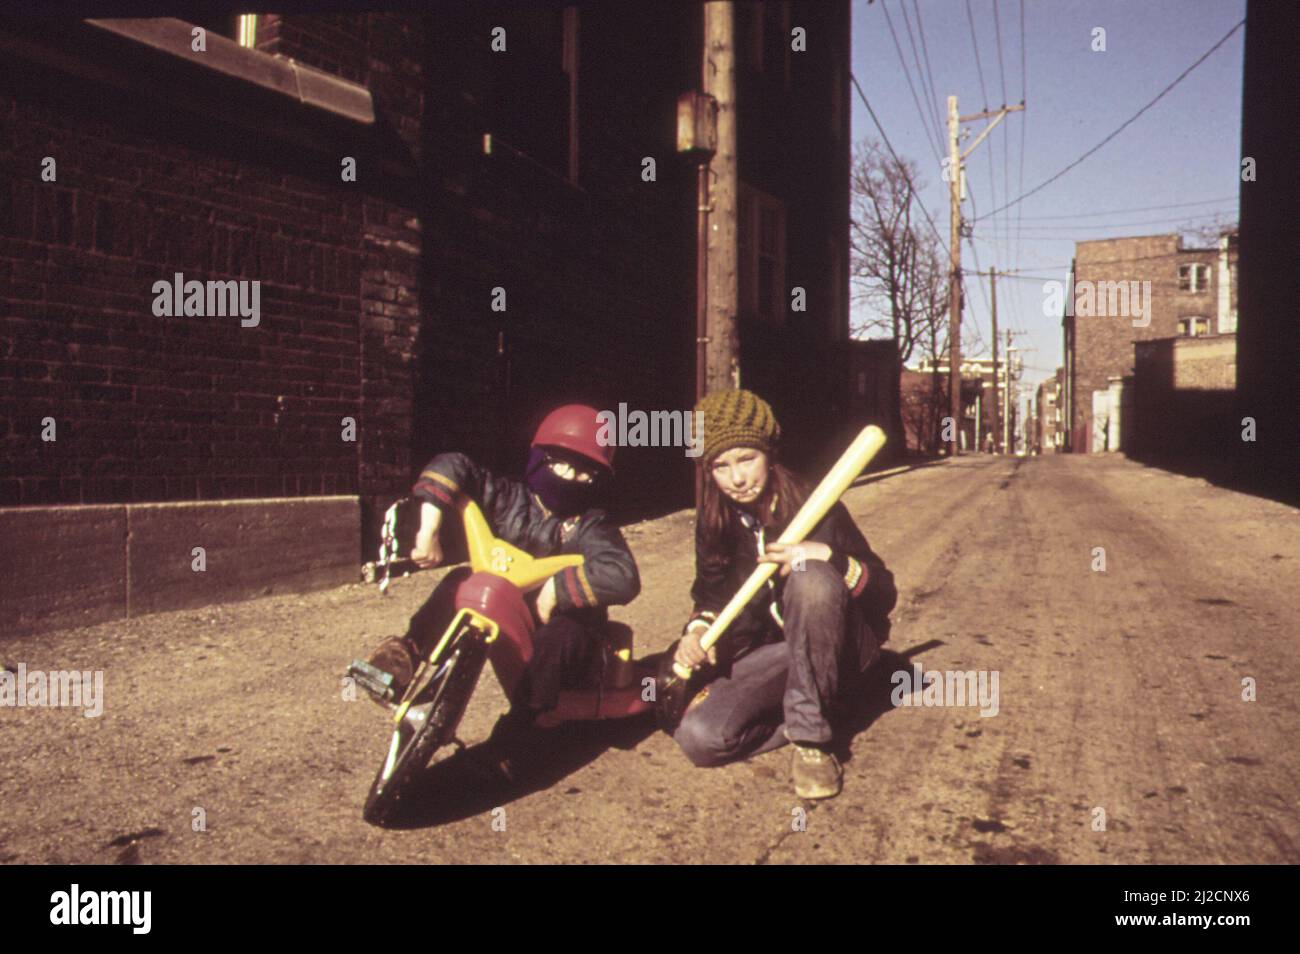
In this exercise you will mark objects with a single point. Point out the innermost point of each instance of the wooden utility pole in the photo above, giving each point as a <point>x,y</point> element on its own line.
<point>997,426</point>
<point>719,64</point>
<point>1006,418</point>
<point>955,172</point>
<point>954,276</point>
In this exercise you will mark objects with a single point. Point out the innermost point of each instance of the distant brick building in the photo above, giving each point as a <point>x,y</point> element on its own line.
<point>1049,423</point>
<point>378,342</point>
<point>983,423</point>
<point>870,395</point>
<point>1127,290</point>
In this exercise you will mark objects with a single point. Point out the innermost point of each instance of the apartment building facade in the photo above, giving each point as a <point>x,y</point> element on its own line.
<point>1127,290</point>
<point>455,220</point>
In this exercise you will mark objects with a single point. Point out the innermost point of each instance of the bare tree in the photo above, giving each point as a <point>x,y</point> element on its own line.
<point>1206,234</point>
<point>900,273</point>
<point>897,267</point>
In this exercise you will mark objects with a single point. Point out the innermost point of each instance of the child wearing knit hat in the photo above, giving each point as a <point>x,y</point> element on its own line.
<point>787,662</point>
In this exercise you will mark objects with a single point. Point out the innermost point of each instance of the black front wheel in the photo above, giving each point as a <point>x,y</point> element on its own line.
<point>428,723</point>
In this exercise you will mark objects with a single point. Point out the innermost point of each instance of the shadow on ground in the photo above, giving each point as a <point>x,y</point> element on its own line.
<point>898,470</point>
<point>1239,476</point>
<point>466,785</point>
<point>871,699</point>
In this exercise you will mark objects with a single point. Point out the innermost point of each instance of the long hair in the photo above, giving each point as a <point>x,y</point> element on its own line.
<point>715,508</point>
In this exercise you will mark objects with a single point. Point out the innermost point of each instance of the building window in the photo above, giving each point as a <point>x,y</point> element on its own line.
<point>1193,327</point>
<point>1193,278</point>
<point>761,242</point>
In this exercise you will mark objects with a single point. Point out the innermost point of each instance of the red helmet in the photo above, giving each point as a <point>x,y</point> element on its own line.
<point>574,427</point>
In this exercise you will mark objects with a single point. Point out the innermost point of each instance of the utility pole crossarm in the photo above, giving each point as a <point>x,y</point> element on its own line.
<point>990,113</point>
<point>997,118</point>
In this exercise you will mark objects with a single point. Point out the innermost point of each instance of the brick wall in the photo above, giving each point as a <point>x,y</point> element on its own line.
<point>170,408</point>
<point>376,295</point>
<point>186,408</point>
<point>1104,343</point>
<point>1184,399</point>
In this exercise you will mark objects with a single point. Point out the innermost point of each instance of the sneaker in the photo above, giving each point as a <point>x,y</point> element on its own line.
<point>395,656</point>
<point>816,774</point>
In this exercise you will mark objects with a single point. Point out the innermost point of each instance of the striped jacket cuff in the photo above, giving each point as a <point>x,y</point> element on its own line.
<point>855,577</point>
<point>438,486</point>
<point>577,587</point>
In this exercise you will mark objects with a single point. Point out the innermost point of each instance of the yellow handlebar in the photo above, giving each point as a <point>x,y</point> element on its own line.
<point>487,554</point>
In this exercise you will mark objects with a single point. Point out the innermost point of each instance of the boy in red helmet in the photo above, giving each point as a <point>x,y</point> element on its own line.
<point>551,511</point>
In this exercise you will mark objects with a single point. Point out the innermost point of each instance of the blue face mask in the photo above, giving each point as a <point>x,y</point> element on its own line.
<point>564,498</point>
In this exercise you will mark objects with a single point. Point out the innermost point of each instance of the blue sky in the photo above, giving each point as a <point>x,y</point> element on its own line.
<point>1185,149</point>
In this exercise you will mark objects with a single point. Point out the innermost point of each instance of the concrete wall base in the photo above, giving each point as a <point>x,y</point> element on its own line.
<point>81,565</point>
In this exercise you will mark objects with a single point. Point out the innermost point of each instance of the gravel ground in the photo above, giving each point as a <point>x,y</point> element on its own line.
<point>1120,705</point>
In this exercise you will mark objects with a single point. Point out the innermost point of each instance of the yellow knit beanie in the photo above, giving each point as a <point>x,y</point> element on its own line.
<point>737,418</point>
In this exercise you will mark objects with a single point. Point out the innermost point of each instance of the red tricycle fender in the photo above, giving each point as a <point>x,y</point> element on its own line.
<point>502,602</point>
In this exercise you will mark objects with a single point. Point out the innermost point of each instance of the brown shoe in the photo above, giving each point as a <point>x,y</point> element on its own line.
<point>816,774</point>
<point>395,656</point>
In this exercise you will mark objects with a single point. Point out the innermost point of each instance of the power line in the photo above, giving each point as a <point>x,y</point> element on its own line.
<point>934,98</point>
<point>1024,98</point>
<point>1057,237</point>
<point>1016,277</point>
<point>978,273</point>
<point>898,162</point>
<point>970,17</point>
<point>1119,212</point>
<point>1089,263</point>
<point>916,58</point>
<point>929,136</point>
<point>1140,208</point>
<point>1002,73</point>
<point>1172,219</point>
<point>1128,122</point>
<point>1005,137</point>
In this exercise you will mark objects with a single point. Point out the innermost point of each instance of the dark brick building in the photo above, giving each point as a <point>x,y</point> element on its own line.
<point>482,177</point>
<point>1268,340</point>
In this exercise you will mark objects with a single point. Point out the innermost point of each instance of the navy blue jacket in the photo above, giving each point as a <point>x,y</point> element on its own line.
<point>870,582</point>
<point>608,576</point>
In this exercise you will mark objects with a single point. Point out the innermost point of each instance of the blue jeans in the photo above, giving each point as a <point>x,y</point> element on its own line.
<point>784,691</point>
